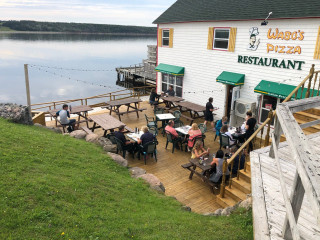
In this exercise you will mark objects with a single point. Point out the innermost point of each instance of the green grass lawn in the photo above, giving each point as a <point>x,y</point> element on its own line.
<point>56,187</point>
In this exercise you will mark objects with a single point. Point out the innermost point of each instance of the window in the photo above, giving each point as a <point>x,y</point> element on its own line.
<point>165,38</point>
<point>172,80</point>
<point>221,38</point>
<point>267,103</point>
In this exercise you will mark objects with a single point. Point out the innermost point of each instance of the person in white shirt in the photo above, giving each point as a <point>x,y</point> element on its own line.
<point>64,115</point>
<point>225,131</point>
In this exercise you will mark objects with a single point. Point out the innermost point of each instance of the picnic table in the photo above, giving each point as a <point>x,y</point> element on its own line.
<point>204,169</point>
<point>131,103</point>
<point>169,101</point>
<point>107,123</point>
<point>81,111</point>
<point>238,136</point>
<point>194,109</point>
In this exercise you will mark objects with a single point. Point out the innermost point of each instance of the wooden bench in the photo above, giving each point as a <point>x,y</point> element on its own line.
<point>87,130</point>
<point>135,110</point>
<point>185,117</point>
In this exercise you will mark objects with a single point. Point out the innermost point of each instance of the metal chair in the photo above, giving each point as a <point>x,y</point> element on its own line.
<point>151,122</point>
<point>153,130</point>
<point>202,127</point>
<point>121,147</point>
<point>149,148</point>
<point>225,141</point>
<point>177,121</point>
<point>158,110</point>
<point>172,140</point>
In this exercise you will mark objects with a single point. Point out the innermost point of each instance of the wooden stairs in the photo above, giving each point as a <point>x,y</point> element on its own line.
<point>240,188</point>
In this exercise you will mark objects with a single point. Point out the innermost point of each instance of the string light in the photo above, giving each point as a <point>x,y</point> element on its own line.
<point>74,79</point>
<point>73,69</point>
<point>206,91</point>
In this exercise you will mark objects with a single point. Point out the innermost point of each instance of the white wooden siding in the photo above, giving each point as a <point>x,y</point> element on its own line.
<point>203,66</point>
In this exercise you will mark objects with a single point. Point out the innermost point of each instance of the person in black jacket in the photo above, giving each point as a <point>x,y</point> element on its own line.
<point>250,124</point>
<point>154,97</point>
<point>208,116</point>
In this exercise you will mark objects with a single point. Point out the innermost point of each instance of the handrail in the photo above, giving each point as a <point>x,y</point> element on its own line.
<point>272,115</point>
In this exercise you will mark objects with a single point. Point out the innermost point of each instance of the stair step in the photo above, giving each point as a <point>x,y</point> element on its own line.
<point>241,185</point>
<point>246,176</point>
<point>235,194</point>
<point>226,201</point>
<point>314,111</point>
<point>313,129</point>
<point>305,116</point>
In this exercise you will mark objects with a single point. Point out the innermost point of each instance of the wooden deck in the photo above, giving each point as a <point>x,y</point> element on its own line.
<point>193,193</point>
<point>266,192</point>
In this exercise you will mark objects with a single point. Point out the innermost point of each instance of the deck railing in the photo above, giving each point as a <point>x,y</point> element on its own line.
<point>111,96</point>
<point>313,87</point>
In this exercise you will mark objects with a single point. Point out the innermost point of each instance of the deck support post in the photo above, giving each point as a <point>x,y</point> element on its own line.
<point>296,199</point>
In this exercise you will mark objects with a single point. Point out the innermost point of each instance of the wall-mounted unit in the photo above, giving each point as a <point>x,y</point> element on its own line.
<point>243,105</point>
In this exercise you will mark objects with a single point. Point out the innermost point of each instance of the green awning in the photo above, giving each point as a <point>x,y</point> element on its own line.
<point>231,78</point>
<point>170,69</point>
<point>279,90</point>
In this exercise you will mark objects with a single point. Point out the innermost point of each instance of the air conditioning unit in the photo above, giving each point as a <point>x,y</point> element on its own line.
<point>243,105</point>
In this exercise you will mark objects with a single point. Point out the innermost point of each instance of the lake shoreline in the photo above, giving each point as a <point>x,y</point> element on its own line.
<point>80,33</point>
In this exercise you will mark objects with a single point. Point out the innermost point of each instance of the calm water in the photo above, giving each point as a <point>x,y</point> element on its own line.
<point>48,53</point>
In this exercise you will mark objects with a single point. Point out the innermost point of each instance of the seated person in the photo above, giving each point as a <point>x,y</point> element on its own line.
<point>170,91</point>
<point>64,115</point>
<point>146,136</point>
<point>154,97</point>
<point>236,160</point>
<point>225,131</point>
<point>218,161</point>
<point>128,145</point>
<point>193,132</point>
<point>175,136</point>
<point>198,150</point>
<point>220,123</point>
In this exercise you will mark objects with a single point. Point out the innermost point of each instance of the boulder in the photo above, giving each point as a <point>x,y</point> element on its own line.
<point>107,145</point>
<point>136,172</point>
<point>79,134</point>
<point>153,181</point>
<point>218,212</point>
<point>118,159</point>
<point>246,203</point>
<point>16,113</point>
<point>93,138</point>
<point>227,211</point>
<point>186,208</point>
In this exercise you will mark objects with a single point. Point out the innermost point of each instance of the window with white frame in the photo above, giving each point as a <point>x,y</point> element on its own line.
<point>165,37</point>
<point>221,38</point>
<point>266,104</point>
<point>174,81</point>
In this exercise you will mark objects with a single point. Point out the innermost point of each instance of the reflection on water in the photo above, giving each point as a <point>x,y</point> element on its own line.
<point>51,56</point>
<point>70,37</point>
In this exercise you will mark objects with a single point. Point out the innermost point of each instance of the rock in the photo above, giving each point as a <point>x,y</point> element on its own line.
<point>246,203</point>
<point>218,212</point>
<point>153,181</point>
<point>79,134</point>
<point>107,145</point>
<point>136,172</point>
<point>118,159</point>
<point>227,211</point>
<point>209,214</point>
<point>93,138</point>
<point>16,113</point>
<point>186,208</point>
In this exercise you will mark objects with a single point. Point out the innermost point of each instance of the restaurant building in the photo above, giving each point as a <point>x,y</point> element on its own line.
<point>228,50</point>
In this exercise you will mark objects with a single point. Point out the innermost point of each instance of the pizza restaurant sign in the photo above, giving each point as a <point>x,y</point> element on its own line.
<point>286,36</point>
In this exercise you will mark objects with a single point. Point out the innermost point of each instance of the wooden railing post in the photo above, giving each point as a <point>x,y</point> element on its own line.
<point>277,135</point>
<point>223,183</point>
<point>310,81</point>
<point>314,83</point>
<point>267,138</point>
<point>246,158</point>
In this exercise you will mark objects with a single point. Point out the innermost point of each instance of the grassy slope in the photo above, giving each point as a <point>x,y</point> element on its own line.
<point>53,186</point>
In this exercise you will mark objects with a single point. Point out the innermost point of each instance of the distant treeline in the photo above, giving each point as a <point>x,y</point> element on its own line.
<point>25,25</point>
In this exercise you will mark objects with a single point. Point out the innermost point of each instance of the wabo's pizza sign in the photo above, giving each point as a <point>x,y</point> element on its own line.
<point>274,34</point>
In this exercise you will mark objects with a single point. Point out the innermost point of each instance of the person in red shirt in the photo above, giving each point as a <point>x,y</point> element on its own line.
<point>170,129</point>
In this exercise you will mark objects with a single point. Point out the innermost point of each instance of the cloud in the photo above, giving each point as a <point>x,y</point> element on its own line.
<point>142,12</point>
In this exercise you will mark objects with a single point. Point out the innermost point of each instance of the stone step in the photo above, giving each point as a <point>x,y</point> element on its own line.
<point>246,176</point>
<point>241,185</point>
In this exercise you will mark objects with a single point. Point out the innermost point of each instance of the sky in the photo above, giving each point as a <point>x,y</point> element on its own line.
<point>122,12</point>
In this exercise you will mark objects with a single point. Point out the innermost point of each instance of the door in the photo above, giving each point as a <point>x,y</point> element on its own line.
<point>235,94</point>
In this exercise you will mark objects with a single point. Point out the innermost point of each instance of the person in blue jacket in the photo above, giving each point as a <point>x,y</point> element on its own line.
<point>220,123</point>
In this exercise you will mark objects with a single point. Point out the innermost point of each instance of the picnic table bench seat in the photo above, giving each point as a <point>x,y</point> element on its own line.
<point>87,130</point>
<point>135,110</point>
<point>185,117</point>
